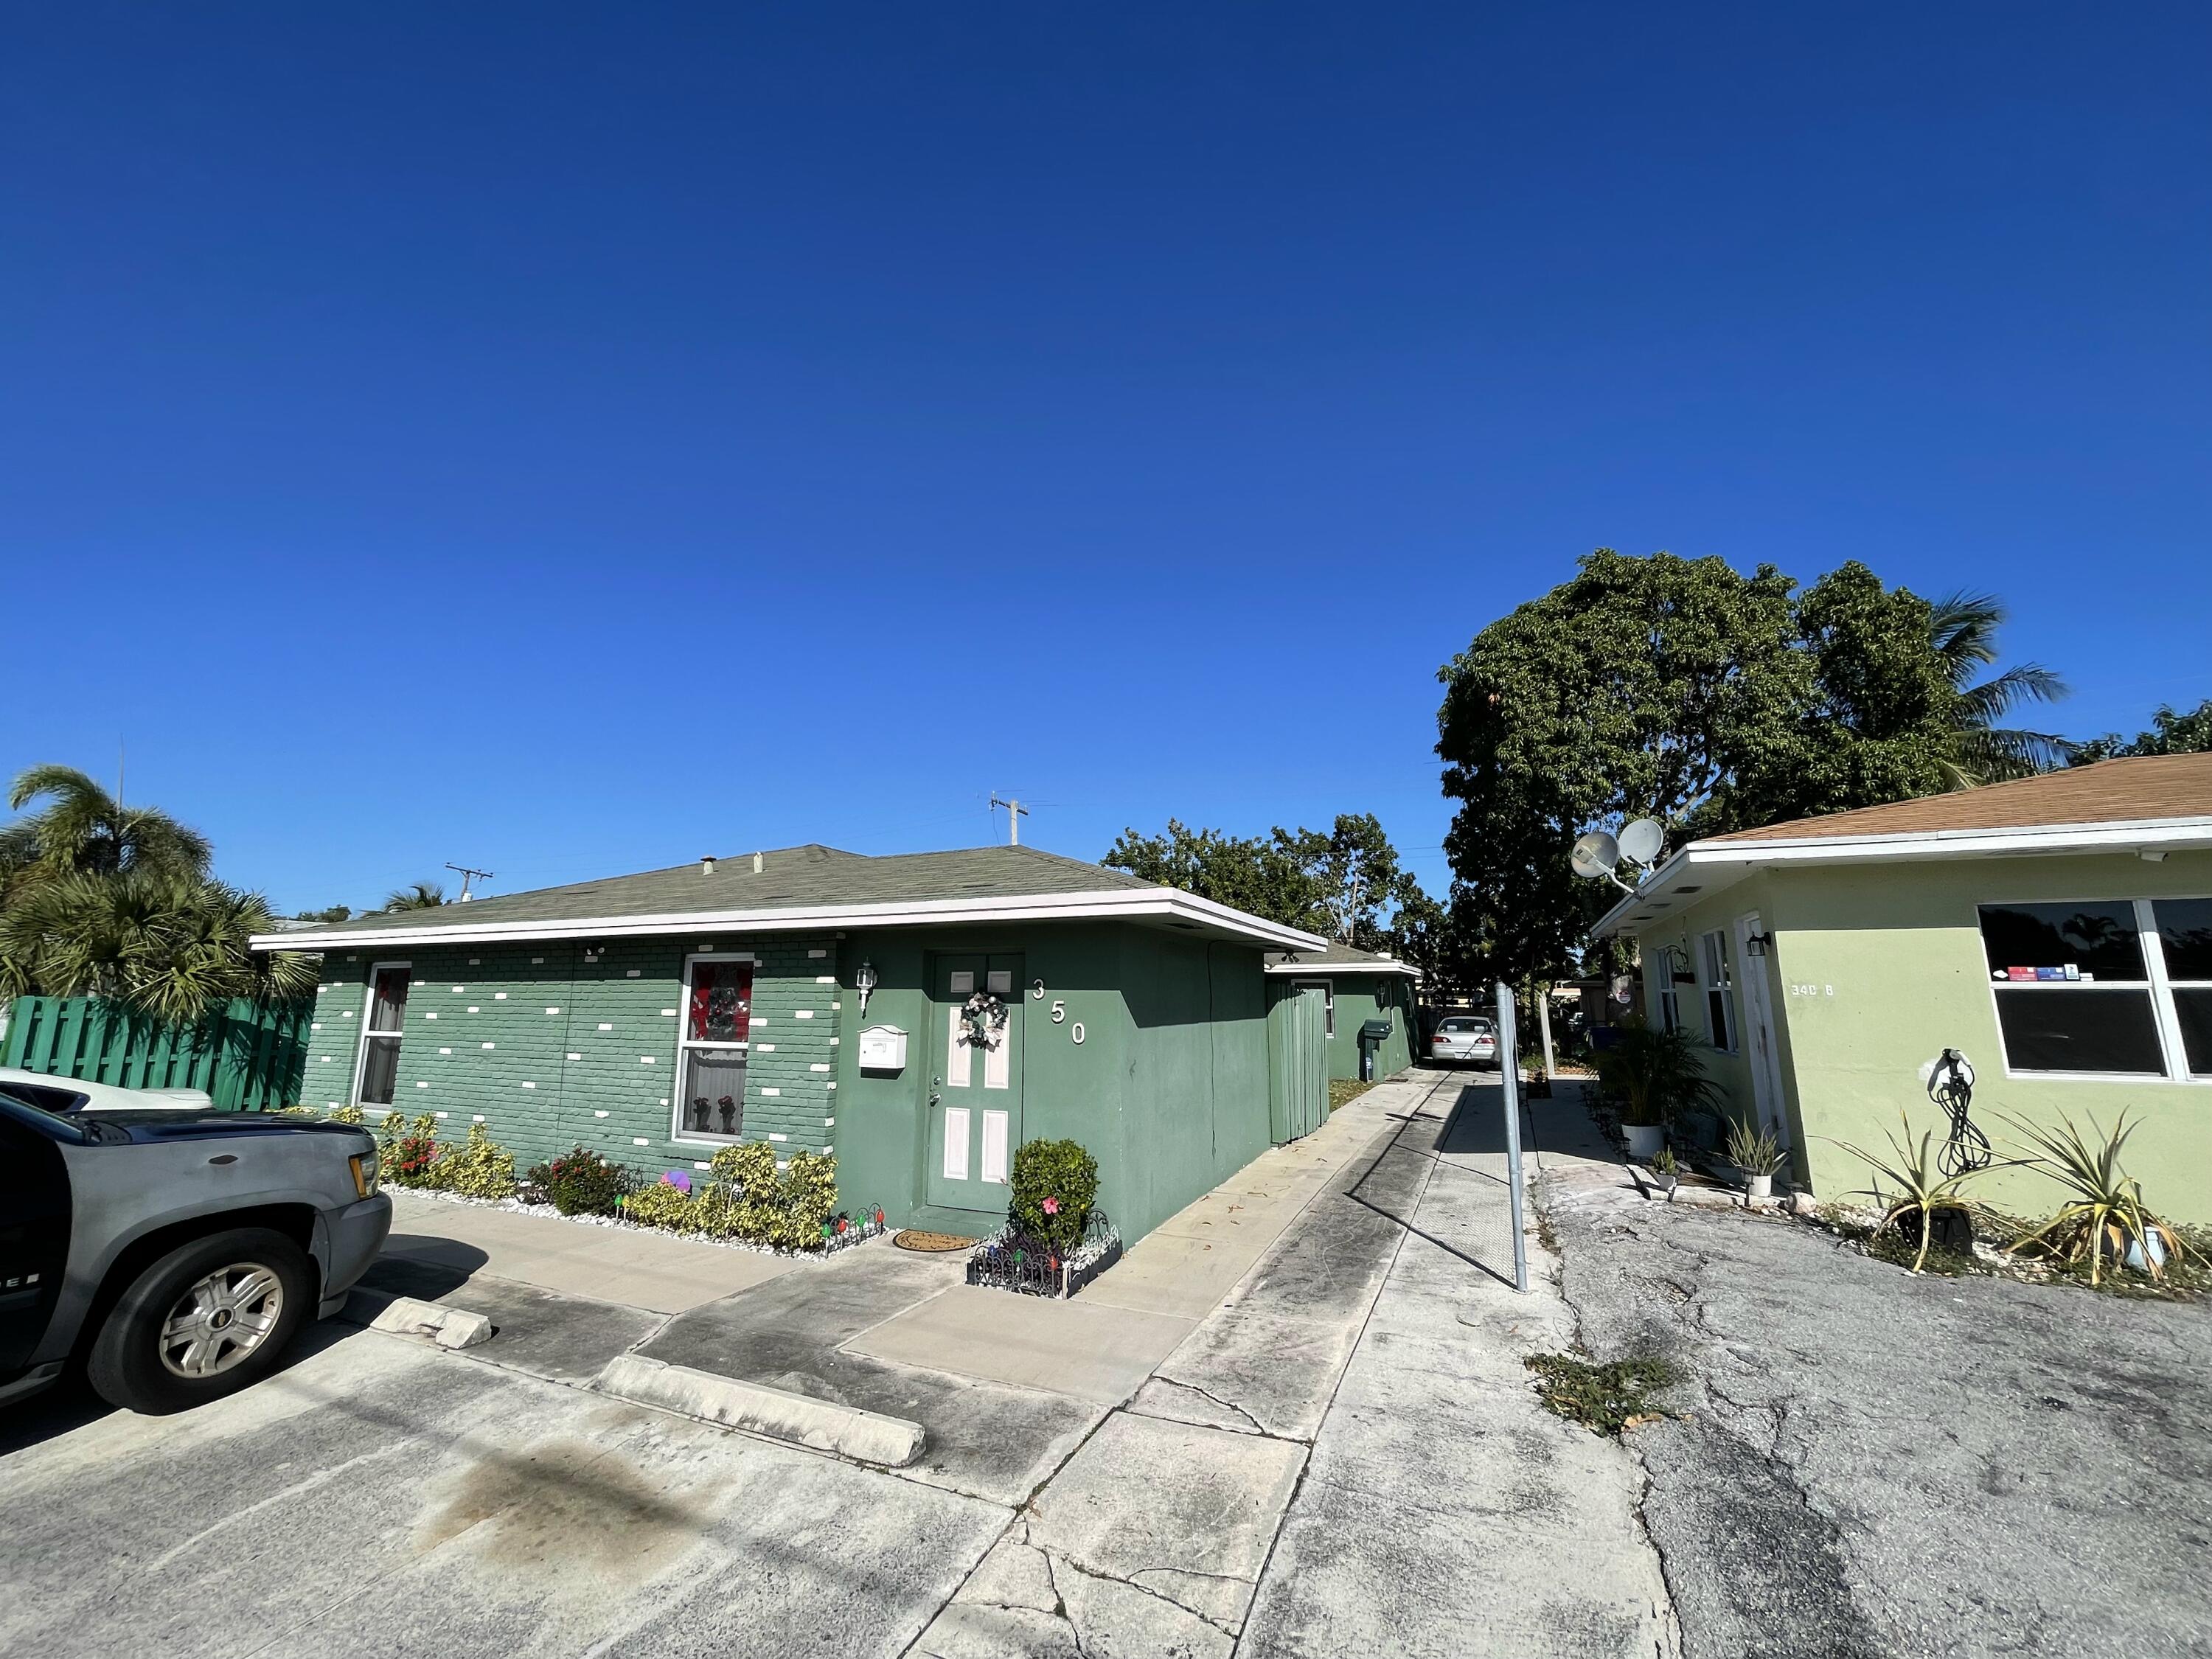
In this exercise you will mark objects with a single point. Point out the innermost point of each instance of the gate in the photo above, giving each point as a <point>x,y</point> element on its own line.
<point>248,1057</point>
<point>1297,1027</point>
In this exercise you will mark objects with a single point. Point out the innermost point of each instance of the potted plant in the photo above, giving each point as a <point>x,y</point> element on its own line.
<point>1658,1075</point>
<point>1666,1170</point>
<point>1757,1156</point>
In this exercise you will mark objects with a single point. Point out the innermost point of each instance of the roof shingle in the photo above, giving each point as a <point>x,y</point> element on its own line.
<point>2131,790</point>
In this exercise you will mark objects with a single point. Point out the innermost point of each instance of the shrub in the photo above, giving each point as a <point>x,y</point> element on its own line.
<point>482,1169</point>
<point>1056,1185</point>
<point>662,1205</point>
<point>412,1159</point>
<point>808,1191</point>
<point>299,1111</point>
<point>579,1182</point>
<point>747,1199</point>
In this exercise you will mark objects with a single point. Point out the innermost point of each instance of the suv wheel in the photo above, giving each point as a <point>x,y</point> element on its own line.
<point>204,1321</point>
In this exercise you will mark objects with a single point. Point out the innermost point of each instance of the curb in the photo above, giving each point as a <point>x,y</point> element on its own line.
<point>449,1327</point>
<point>866,1436</point>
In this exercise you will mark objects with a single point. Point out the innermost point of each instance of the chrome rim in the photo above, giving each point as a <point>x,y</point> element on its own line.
<point>220,1320</point>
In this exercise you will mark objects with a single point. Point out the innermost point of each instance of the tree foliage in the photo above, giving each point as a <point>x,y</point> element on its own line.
<point>2170,733</point>
<point>100,901</point>
<point>1678,690</point>
<point>417,895</point>
<point>1965,628</point>
<point>1345,885</point>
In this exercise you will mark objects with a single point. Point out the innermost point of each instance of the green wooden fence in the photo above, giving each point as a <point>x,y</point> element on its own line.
<point>247,1056</point>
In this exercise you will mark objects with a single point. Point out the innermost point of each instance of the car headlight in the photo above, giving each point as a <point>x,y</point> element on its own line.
<point>364,1173</point>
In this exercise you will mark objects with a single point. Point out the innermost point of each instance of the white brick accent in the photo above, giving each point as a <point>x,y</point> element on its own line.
<point>825,979</point>
<point>635,973</point>
<point>639,1141</point>
<point>763,1048</point>
<point>817,1066</point>
<point>771,1091</point>
<point>804,1013</point>
<point>575,1056</point>
<point>817,955</point>
<point>530,1085</point>
<point>552,1011</point>
<point>605,1026</point>
<point>779,1137</point>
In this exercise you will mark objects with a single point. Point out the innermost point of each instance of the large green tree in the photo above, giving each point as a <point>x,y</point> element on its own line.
<point>2172,733</point>
<point>1345,883</point>
<point>1673,689</point>
<point>82,829</point>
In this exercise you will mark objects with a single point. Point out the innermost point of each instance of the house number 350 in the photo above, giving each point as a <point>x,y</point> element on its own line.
<point>1060,1018</point>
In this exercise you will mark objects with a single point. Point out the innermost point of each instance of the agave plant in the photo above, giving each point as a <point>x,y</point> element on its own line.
<point>2108,1212</point>
<point>1658,1073</point>
<point>1923,1188</point>
<point>1754,1150</point>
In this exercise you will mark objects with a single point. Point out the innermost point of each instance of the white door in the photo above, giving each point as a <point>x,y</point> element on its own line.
<point>1760,1049</point>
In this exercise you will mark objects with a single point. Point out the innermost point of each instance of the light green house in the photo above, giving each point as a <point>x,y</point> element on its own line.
<point>920,1015</point>
<point>2055,931</point>
<point>1354,987</point>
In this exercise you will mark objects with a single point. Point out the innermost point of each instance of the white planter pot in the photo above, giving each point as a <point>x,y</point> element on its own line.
<point>1667,1185</point>
<point>1759,1186</point>
<point>2135,1258</point>
<point>1644,1140</point>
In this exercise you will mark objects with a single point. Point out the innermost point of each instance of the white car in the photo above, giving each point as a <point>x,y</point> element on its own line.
<point>1464,1040</point>
<point>65,1094</point>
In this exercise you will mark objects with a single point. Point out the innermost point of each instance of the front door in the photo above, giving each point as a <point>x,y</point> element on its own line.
<point>1760,1050</point>
<point>975,1078</point>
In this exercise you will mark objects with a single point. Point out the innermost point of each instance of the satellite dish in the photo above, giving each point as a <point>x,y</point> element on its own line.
<point>1640,841</point>
<point>1594,855</point>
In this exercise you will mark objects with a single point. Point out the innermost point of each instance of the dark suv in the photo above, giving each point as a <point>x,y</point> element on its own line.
<point>178,1253</point>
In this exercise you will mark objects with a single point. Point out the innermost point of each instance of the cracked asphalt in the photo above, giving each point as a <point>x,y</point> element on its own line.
<point>1871,1463</point>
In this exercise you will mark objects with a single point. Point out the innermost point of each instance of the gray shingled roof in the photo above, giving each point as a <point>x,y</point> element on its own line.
<point>790,877</point>
<point>1339,959</point>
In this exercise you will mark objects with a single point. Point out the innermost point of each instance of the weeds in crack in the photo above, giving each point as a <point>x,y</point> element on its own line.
<point>1603,1398</point>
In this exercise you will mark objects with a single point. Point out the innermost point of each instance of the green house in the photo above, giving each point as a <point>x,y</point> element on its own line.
<point>1355,989</point>
<point>920,1015</point>
<point>2055,931</point>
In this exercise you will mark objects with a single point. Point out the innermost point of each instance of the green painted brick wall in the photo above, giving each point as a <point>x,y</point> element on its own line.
<point>550,1047</point>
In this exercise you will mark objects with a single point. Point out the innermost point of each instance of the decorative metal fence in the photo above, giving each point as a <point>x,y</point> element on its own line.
<point>249,1057</point>
<point>1012,1261</point>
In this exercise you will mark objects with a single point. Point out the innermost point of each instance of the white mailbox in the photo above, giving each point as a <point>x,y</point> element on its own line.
<point>883,1048</point>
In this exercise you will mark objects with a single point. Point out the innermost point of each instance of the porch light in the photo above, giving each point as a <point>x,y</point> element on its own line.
<point>864,981</point>
<point>1756,943</point>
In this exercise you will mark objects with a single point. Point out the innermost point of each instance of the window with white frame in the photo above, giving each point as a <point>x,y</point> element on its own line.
<point>1717,974</point>
<point>712,1044</point>
<point>377,1073</point>
<point>2120,988</point>
<point>1672,971</point>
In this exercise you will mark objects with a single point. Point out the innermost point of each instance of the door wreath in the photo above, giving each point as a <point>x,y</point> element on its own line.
<point>985,1017</point>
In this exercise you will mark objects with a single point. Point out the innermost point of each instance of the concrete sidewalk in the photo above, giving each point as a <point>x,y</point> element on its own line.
<point>658,1271</point>
<point>1345,1456</point>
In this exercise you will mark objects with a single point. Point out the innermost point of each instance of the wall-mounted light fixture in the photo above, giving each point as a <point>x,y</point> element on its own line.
<point>1757,944</point>
<point>864,981</point>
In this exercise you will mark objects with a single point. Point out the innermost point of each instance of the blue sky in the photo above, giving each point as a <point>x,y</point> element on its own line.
<point>571,439</point>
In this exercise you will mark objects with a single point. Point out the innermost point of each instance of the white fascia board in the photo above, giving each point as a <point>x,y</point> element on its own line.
<point>1739,857</point>
<point>1130,904</point>
<point>1322,969</point>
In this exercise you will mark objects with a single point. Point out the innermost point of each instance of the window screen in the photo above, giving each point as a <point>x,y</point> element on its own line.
<point>2070,942</point>
<point>2184,934</point>
<point>2080,1029</point>
<point>2072,989</point>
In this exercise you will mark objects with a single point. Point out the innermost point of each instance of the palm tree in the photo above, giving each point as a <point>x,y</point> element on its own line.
<point>169,945</point>
<point>1964,626</point>
<point>84,830</point>
<point>422,896</point>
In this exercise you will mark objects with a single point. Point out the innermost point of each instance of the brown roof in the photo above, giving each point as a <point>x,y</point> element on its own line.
<point>2127,790</point>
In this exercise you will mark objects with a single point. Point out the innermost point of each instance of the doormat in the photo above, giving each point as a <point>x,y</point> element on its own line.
<point>915,1239</point>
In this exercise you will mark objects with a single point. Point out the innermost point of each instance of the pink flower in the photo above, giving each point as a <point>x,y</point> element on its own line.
<point>1052,1206</point>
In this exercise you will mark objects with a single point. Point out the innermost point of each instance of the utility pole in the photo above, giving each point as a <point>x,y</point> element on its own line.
<point>467,876</point>
<point>1015,813</point>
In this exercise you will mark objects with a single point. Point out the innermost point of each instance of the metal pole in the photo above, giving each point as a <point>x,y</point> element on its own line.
<point>1544,1024</point>
<point>1509,1069</point>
